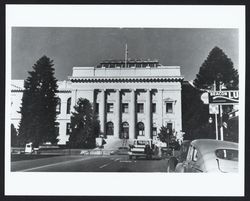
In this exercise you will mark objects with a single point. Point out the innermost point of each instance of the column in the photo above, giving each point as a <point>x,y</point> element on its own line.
<point>148,126</point>
<point>117,123</point>
<point>73,100</point>
<point>132,125</point>
<point>161,107</point>
<point>102,113</point>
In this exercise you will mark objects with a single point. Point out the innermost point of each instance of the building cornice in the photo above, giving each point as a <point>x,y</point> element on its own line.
<point>126,79</point>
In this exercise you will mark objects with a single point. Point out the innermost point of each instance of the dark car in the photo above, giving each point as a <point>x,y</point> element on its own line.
<point>179,157</point>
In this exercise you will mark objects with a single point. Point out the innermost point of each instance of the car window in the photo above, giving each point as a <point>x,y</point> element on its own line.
<point>190,153</point>
<point>195,154</point>
<point>227,154</point>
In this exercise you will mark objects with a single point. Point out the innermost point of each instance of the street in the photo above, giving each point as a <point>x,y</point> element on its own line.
<point>78,163</point>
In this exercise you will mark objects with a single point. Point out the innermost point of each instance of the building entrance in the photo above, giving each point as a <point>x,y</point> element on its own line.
<point>125,131</point>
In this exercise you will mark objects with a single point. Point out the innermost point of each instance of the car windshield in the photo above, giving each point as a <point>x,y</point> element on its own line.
<point>227,154</point>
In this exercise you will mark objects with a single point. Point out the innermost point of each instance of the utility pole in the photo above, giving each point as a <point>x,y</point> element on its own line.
<point>215,115</point>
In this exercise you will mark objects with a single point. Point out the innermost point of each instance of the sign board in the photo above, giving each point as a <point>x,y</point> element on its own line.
<point>224,97</point>
<point>98,141</point>
<point>213,109</point>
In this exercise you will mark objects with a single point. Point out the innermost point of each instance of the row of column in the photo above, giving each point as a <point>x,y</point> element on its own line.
<point>133,113</point>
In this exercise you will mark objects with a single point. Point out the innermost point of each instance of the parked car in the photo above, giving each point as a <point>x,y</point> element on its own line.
<point>141,148</point>
<point>120,151</point>
<point>206,155</point>
<point>179,157</point>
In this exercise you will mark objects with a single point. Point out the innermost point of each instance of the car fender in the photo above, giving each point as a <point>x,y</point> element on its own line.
<point>179,168</point>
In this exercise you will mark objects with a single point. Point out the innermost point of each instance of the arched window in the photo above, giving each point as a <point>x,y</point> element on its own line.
<point>58,106</point>
<point>125,130</point>
<point>68,105</point>
<point>109,128</point>
<point>140,129</point>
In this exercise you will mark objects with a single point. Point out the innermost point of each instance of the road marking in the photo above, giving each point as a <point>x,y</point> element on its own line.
<point>117,159</point>
<point>104,165</point>
<point>50,165</point>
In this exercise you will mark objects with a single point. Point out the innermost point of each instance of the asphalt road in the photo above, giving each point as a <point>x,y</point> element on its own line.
<point>78,163</point>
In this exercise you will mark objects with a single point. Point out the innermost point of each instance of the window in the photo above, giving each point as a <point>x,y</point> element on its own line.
<point>227,154</point>
<point>68,105</point>
<point>110,128</point>
<point>169,107</point>
<point>140,129</point>
<point>110,107</point>
<point>97,108</point>
<point>154,108</point>
<point>58,106</point>
<point>68,129</point>
<point>195,155</point>
<point>125,108</point>
<point>140,108</point>
<point>154,130</point>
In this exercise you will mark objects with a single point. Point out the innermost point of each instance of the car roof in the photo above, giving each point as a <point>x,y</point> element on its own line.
<point>209,145</point>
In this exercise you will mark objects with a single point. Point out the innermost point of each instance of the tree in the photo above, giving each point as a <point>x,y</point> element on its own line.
<point>84,125</point>
<point>165,134</point>
<point>38,110</point>
<point>14,137</point>
<point>194,116</point>
<point>217,67</point>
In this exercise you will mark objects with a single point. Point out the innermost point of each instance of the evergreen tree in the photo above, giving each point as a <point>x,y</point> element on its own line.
<point>38,110</point>
<point>217,67</point>
<point>84,124</point>
<point>14,137</point>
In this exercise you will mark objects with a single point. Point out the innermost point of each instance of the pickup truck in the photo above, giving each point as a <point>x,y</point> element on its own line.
<point>141,148</point>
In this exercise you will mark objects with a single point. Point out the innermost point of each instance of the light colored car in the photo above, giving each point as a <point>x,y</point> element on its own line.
<point>141,148</point>
<point>207,155</point>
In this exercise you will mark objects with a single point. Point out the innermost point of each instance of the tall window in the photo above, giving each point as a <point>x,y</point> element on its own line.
<point>58,106</point>
<point>153,107</point>
<point>125,108</point>
<point>68,105</point>
<point>169,107</point>
<point>140,128</point>
<point>154,131</point>
<point>68,129</point>
<point>140,108</point>
<point>110,107</point>
<point>110,128</point>
<point>97,108</point>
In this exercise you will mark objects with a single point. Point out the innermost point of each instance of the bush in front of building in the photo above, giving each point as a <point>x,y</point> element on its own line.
<point>84,126</point>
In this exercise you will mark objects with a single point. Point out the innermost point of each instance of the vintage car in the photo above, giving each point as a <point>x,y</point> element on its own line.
<point>179,157</point>
<point>207,155</point>
<point>141,148</point>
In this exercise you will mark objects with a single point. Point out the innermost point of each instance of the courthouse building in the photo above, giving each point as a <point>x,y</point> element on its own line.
<point>132,98</point>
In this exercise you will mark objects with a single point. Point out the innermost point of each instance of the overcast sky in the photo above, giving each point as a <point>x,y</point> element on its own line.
<point>70,47</point>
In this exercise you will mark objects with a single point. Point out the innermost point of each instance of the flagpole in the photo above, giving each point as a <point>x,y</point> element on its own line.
<point>126,55</point>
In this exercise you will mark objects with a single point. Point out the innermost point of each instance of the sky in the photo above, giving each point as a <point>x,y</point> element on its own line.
<point>69,47</point>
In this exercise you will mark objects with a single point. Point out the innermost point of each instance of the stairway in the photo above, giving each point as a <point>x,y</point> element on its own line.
<point>114,143</point>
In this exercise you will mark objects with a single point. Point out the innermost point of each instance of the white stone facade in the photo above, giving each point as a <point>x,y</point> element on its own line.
<point>132,100</point>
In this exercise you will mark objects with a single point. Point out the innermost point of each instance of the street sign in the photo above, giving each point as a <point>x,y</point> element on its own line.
<point>224,97</point>
<point>213,109</point>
